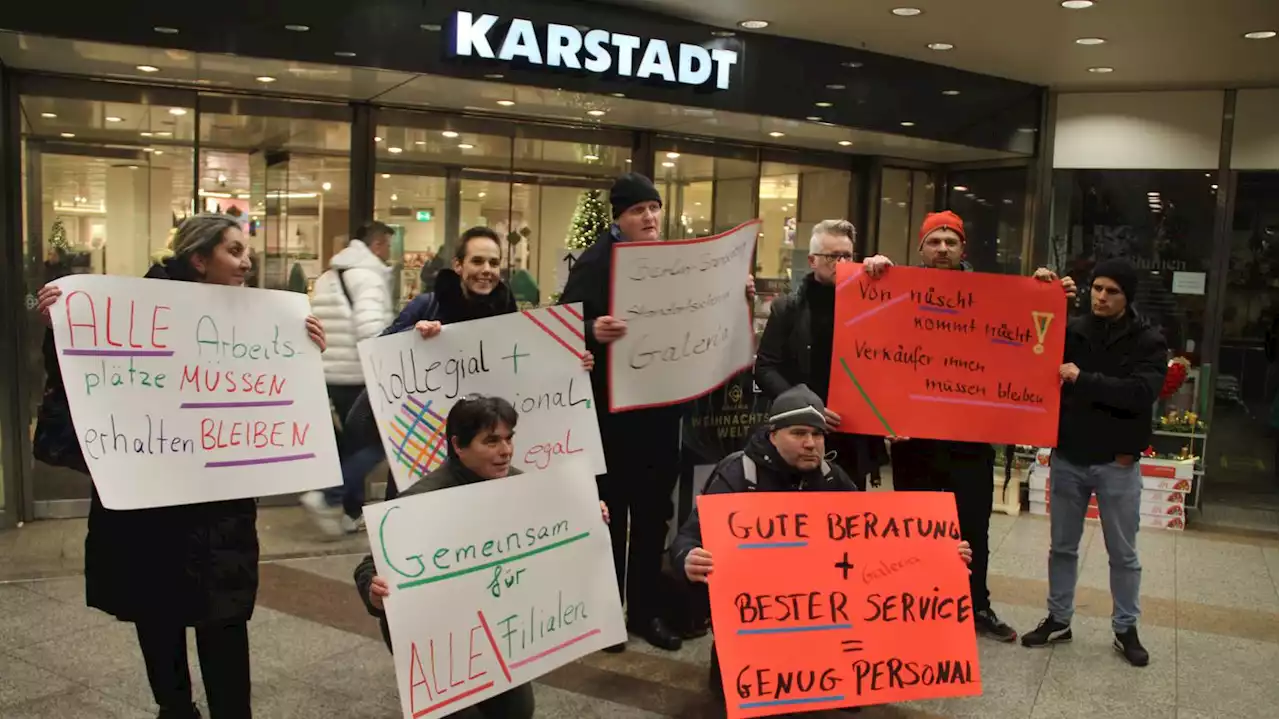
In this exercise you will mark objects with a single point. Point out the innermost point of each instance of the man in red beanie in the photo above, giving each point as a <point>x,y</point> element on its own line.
<point>965,469</point>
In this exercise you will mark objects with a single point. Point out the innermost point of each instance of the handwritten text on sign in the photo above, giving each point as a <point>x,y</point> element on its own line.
<point>494,584</point>
<point>533,359</point>
<point>183,392</point>
<point>688,320</point>
<point>828,599</point>
<point>938,354</point>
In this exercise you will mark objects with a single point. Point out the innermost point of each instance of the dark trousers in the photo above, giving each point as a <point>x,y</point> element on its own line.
<point>855,455</point>
<point>224,664</point>
<point>357,461</point>
<point>969,478</point>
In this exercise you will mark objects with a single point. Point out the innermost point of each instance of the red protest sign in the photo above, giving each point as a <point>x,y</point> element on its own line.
<point>828,599</point>
<point>936,354</point>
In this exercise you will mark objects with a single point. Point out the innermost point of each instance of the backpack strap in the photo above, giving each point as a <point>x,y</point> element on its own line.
<point>346,292</point>
<point>749,471</point>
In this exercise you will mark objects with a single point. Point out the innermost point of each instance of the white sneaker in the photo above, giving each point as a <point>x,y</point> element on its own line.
<point>327,518</point>
<point>351,526</point>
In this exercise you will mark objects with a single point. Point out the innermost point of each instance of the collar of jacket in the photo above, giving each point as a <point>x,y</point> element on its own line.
<point>463,476</point>
<point>457,307</point>
<point>761,450</point>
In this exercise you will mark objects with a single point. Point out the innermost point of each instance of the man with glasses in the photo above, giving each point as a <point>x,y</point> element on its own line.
<point>796,346</point>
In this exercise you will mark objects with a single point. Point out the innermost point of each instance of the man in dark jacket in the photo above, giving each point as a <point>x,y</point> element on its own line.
<point>795,348</point>
<point>1113,368</point>
<point>966,469</point>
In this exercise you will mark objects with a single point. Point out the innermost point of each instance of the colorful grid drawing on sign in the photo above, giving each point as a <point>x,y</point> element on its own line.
<point>417,432</point>
<point>558,322</point>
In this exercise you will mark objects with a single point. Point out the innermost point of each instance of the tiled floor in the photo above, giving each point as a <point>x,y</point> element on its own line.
<point>1210,621</point>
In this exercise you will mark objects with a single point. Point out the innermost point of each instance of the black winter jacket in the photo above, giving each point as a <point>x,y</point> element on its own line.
<point>772,475</point>
<point>1107,410</point>
<point>784,357</point>
<point>450,474</point>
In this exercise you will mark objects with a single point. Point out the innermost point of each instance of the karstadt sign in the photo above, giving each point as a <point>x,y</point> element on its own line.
<point>572,47</point>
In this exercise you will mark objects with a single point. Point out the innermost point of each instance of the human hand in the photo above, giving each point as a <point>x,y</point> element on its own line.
<point>604,512</point>
<point>1069,372</point>
<point>833,419</point>
<point>966,553</point>
<point>46,298</point>
<point>751,286</point>
<point>609,329</point>
<point>428,329</point>
<point>876,266</point>
<point>588,361</point>
<point>894,439</point>
<point>315,331</point>
<point>378,591</point>
<point>1044,274</point>
<point>697,565</point>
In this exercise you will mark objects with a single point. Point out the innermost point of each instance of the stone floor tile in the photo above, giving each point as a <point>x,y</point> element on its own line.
<point>1227,676</point>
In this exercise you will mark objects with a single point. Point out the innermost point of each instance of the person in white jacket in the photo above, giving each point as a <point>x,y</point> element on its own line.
<point>353,300</point>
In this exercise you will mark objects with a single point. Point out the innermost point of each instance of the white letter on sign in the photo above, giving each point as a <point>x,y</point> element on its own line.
<point>657,60</point>
<point>626,44</point>
<point>521,42</point>
<point>724,60</point>
<point>563,44</point>
<point>600,58</point>
<point>695,64</point>
<point>471,36</point>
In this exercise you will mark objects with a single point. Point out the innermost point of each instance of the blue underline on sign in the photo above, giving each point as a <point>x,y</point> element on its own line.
<point>790,702</point>
<point>939,310</point>
<point>794,630</point>
<point>772,545</point>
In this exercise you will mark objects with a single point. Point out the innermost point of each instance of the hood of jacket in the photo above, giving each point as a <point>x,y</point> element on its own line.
<point>455,306</point>
<point>357,254</point>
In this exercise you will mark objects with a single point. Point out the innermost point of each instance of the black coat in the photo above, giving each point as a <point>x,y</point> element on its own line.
<point>188,564</point>
<point>1107,410</point>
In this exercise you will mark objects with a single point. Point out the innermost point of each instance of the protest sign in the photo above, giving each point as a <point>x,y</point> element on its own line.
<point>532,359</point>
<point>688,320</point>
<point>936,354</point>
<point>183,392</point>
<point>494,584</point>
<point>565,261</point>
<point>834,599</point>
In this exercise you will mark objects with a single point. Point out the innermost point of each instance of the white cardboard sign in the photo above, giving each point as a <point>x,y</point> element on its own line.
<point>688,318</point>
<point>533,359</point>
<point>494,584</point>
<point>183,392</point>
<point>564,264</point>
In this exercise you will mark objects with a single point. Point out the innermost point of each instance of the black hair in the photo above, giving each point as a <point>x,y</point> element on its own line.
<point>474,414</point>
<point>372,228</point>
<point>461,253</point>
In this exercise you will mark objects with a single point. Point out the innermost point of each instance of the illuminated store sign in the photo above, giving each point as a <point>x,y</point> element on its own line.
<point>597,51</point>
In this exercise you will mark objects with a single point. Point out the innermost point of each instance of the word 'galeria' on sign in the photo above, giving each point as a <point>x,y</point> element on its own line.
<point>121,328</point>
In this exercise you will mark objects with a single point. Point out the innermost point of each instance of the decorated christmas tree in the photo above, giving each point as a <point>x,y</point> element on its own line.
<point>58,237</point>
<point>590,220</point>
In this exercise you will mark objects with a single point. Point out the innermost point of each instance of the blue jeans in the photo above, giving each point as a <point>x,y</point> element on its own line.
<point>355,467</point>
<point>1119,490</point>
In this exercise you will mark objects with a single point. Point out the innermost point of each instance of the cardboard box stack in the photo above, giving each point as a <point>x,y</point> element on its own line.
<point>1165,485</point>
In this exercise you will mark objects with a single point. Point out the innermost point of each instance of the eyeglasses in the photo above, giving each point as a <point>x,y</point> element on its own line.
<point>835,256</point>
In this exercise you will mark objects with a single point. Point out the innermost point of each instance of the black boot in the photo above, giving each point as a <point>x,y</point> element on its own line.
<point>656,632</point>
<point>180,713</point>
<point>1128,645</point>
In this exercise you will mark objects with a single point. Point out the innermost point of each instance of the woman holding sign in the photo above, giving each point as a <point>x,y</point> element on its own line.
<point>169,568</point>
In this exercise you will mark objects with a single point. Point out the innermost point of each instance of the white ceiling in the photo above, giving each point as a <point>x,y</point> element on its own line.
<point>1150,43</point>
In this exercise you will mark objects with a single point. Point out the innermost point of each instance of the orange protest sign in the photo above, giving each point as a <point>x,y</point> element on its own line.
<point>828,599</point>
<point>936,354</point>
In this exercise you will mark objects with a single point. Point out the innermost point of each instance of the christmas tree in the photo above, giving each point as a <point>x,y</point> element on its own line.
<point>58,237</point>
<point>590,220</point>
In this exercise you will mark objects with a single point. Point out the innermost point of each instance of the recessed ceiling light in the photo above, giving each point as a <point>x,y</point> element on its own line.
<point>344,53</point>
<point>950,93</point>
<point>846,143</point>
<point>145,134</point>
<point>265,78</point>
<point>907,123</point>
<point>813,118</point>
<point>395,150</point>
<point>940,46</point>
<point>835,86</point>
<point>1077,4</point>
<point>68,134</point>
<point>1260,35</point>
<point>590,158</point>
<point>165,30</point>
<point>222,178</point>
<point>148,68</point>
<point>147,149</point>
<point>112,118</point>
<point>481,195</point>
<point>668,164</point>
<point>1213,186</point>
<point>754,24</point>
<point>385,176</point>
<point>1026,130</point>
<point>177,111</point>
<point>494,76</point>
<point>506,103</point>
<point>823,104</point>
<point>326,186</point>
<point>906,11</point>
<point>1102,70</point>
<point>1090,40</point>
<point>297,28</point>
<point>133,167</point>
<point>430,27</point>
<point>595,113</point>
<point>157,152</point>
<point>960,188</point>
<point>395,197</point>
<point>775,133</point>
<point>723,33</point>
<point>377,139</point>
<point>48,115</point>
<point>465,146</point>
<point>164,133</point>
<point>672,155</point>
<point>449,133</point>
<point>419,142</point>
<point>851,64</point>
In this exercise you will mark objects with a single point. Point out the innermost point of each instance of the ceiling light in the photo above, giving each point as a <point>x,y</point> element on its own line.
<point>395,150</point>
<point>813,118</point>
<point>846,143</point>
<point>852,65</point>
<point>394,197</point>
<point>506,103</point>
<point>326,186</point>
<point>449,133</point>
<point>145,134</point>
<point>595,113</point>
<point>835,86</point>
<point>465,146</point>
<point>377,139</point>
<point>419,142</point>
<point>112,118</point>
<point>165,30</point>
<point>481,195</point>
<point>907,123</point>
<point>344,53</point>
<point>672,155</point>
<point>822,104</point>
<point>148,68</point>
<point>1153,193</point>
<point>775,133</point>
<point>959,188</point>
<point>628,161</point>
<point>590,158</point>
<point>494,76</point>
<point>940,46</point>
<point>430,27</point>
<point>48,115</point>
<point>617,94</point>
<point>950,93</point>
<point>296,28</point>
<point>1090,41</point>
<point>68,134</point>
<point>1260,35</point>
<point>133,167</point>
<point>157,152</point>
<point>177,111</point>
<point>265,78</point>
<point>668,164</point>
<point>1026,130</point>
<point>222,178</point>
<point>906,11</point>
<point>1102,70</point>
<point>754,24</point>
<point>1076,4</point>
<point>385,176</point>
<point>147,149</point>
<point>1213,187</point>
<point>164,133</point>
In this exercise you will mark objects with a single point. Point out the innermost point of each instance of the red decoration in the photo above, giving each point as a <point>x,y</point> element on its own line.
<point>1174,378</point>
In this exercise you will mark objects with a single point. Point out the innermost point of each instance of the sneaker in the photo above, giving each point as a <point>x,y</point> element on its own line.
<point>328,519</point>
<point>1048,632</point>
<point>986,622</point>
<point>1131,648</point>
<point>351,526</point>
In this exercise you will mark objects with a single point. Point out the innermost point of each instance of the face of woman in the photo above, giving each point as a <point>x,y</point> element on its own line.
<point>229,262</point>
<point>479,270</point>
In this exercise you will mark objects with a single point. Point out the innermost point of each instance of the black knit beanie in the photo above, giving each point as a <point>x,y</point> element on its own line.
<point>631,189</point>
<point>1120,271</point>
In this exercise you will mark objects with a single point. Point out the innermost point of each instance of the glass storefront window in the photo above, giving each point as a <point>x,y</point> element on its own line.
<point>794,198</point>
<point>992,204</point>
<point>905,197</point>
<point>703,195</point>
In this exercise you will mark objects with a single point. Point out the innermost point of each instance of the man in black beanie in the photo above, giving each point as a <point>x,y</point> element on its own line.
<point>641,447</point>
<point>1113,368</point>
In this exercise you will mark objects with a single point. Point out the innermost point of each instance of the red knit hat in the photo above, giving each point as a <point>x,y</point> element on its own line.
<point>945,220</point>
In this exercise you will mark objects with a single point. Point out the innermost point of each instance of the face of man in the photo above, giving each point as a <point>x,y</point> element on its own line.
<point>835,249</point>
<point>639,223</point>
<point>489,454</point>
<point>380,245</point>
<point>1108,300</point>
<point>801,447</point>
<point>942,249</point>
